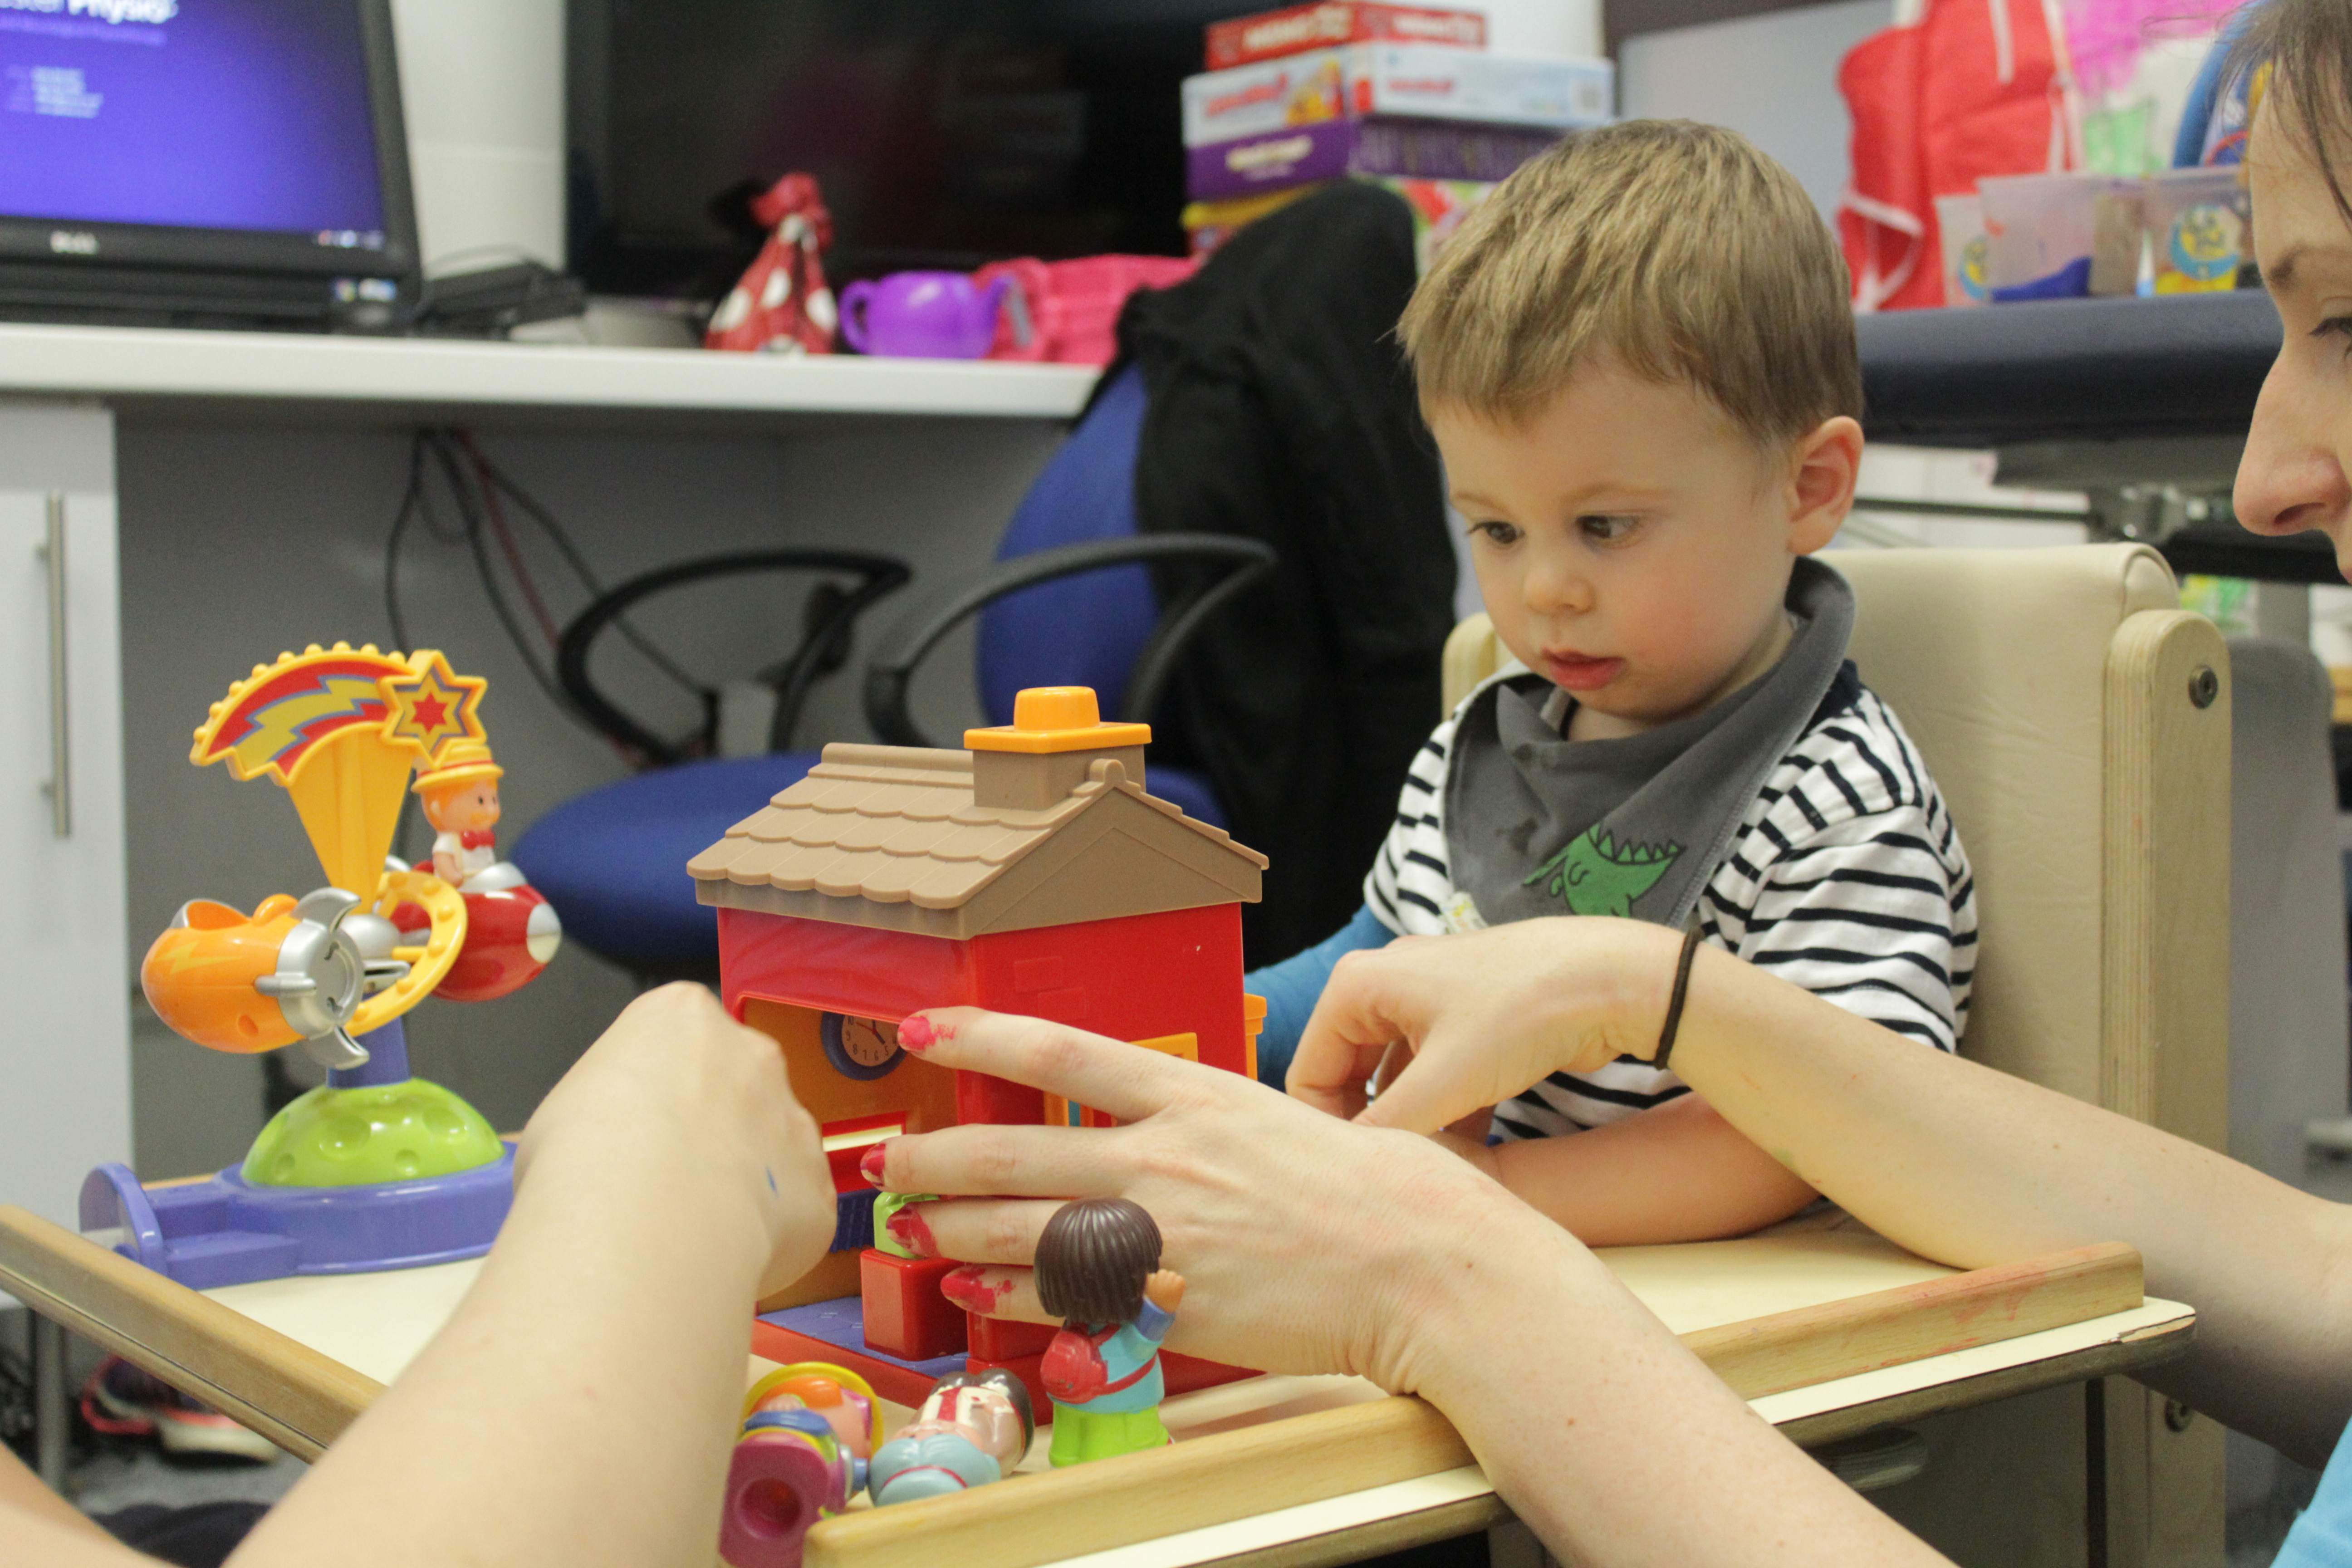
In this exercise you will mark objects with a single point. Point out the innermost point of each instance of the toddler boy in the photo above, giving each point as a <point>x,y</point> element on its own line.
<point>1639,367</point>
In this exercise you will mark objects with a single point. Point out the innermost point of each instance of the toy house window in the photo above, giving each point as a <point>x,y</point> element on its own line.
<point>845,1143</point>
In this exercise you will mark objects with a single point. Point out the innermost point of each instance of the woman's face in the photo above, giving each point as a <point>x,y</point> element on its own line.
<point>2293,477</point>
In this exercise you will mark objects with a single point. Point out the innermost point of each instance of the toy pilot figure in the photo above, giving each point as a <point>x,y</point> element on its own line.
<point>1099,1270</point>
<point>460,793</point>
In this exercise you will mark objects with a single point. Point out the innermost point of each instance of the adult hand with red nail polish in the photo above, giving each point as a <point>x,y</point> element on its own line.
<point>1307,1245</point>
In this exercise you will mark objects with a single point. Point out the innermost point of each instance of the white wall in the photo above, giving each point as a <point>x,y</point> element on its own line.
<point>481,82</point>
<point>1543,26</point>
<point>239,542</point>
<point>1773,79</point>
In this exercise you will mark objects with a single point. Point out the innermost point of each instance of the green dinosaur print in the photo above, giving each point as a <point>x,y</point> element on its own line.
<point>1597,877</point>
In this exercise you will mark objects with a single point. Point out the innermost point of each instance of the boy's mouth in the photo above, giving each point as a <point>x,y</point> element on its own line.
<point>1580,672</point>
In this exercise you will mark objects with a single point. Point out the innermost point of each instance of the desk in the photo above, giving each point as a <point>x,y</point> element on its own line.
<point>300,1358</point>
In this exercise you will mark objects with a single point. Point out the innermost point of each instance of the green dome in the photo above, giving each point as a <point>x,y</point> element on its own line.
<point>354,1137</point>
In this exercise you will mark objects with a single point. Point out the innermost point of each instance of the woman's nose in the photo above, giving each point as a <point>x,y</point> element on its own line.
<point>2291,477</point>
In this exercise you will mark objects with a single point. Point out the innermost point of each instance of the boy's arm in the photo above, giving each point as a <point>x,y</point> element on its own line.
<point>1678,1172</point>
<point>1876,913</point>
<point>1290,989</point>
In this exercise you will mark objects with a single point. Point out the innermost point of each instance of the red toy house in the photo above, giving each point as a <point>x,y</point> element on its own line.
<point>1032,874</point>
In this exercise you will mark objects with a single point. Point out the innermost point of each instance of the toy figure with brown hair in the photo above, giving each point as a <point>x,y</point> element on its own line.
<point>1099,1270</point>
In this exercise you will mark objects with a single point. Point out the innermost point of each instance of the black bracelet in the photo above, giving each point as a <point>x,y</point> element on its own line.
<point>1675,1003</point>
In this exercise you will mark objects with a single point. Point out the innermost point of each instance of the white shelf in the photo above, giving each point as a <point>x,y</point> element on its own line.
<point>401,380</point>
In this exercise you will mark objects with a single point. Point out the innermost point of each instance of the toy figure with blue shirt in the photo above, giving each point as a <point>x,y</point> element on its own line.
<point>1099,1270</point>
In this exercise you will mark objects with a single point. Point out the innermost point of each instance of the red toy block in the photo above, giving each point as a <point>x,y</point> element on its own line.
<point>1029,1369</point>
<point>906,1315</point>
<point>1003,1338</point>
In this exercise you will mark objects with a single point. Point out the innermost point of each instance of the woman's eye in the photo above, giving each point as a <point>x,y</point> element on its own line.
<point>2338,327</point>
<point>1604,528</point>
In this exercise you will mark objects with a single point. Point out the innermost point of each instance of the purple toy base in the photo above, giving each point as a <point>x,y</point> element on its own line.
<point>226,1231</point>
<point>843,1323</point>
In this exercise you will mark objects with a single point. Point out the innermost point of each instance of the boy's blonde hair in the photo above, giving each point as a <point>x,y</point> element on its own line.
<point>1675,248</point>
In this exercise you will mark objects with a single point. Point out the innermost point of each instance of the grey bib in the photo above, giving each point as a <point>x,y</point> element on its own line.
<point>1539,824</point>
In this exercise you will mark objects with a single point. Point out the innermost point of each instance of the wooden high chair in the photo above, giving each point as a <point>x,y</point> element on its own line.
<point>2077,721</point>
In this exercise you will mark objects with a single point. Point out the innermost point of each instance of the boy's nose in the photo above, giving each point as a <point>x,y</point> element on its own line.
<point>1555,586</point>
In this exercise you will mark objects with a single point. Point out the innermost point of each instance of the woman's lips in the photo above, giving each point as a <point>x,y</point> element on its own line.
<point>1579,672</point>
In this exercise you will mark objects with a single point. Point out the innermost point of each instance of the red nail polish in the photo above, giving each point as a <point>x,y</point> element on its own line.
<point>869,1164</point>
<point>907,1229</point>
<point>917,1035</point>
<point>969,1288</point>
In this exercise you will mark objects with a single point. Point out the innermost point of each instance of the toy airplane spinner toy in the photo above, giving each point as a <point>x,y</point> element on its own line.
<point>374,1168</point>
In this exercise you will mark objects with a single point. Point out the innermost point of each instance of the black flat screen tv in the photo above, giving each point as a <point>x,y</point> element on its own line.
<point>944,133</point>
<point>203,163</point>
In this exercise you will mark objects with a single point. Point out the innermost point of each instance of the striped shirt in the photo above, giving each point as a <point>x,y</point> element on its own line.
<point>1847,877</point>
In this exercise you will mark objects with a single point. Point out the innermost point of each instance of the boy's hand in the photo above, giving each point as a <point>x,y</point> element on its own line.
<point>1483,1015</point>
<point>1164,1290</point>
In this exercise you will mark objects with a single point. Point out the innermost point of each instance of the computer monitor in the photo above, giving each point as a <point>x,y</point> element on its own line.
<point>203,163</point>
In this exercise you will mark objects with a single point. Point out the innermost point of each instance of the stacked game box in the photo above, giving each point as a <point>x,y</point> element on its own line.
<point>1406,95</point>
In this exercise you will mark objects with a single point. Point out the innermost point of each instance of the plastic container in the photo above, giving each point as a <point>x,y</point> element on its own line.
<point>1960,234</point>
<point>2044,235</point>
<point>2196,221</point>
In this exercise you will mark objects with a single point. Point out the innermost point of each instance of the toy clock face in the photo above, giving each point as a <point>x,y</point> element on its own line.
<point>861,1048</point>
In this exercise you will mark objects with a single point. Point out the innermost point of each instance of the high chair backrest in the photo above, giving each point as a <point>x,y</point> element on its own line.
<point>2078,722</point>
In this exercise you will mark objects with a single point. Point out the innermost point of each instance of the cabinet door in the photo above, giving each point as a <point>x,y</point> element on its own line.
<point>65,966</point>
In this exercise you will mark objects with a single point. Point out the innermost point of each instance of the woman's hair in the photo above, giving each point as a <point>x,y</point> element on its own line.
<point>1093,1261</point>
<point>2301,53</point>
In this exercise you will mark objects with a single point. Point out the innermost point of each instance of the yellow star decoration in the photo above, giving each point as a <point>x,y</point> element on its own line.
<point>433,706</point>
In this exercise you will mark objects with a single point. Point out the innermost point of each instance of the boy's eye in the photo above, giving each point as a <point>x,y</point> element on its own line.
<point>1606,528</point>
<point>1496,532</point>
<point>2338,327</point>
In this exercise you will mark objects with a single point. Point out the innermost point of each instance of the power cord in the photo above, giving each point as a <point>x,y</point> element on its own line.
<point>476,489</point>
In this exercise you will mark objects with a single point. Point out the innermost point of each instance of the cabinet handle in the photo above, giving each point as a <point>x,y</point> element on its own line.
<point>59,785</point>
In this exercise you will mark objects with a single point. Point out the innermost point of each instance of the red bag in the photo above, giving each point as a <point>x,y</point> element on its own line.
<point>1068,312</point>
<point>781,304</point>
<point>1974,88</point>
<point>1072,1370</point>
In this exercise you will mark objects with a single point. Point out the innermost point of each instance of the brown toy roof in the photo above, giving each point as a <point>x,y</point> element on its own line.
<point>891,837</point>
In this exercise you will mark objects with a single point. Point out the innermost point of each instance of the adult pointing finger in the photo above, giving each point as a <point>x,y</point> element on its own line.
<point>1309,1245</point>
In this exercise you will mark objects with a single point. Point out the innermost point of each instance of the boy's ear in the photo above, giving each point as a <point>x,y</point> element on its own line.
<point>1828,464</point>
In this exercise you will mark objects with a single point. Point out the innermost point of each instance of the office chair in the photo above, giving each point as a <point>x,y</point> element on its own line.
<point>601,857</point>
<point>1071,602</point>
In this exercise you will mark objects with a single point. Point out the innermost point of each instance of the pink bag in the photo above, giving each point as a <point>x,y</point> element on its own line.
<point>1068,312</point>
<point>1974,88</point>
